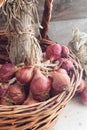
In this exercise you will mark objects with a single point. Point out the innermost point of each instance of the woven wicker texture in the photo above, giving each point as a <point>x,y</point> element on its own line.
<point>43,115</point>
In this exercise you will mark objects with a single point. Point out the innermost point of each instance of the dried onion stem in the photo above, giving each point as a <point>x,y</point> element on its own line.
<point>22,21</point>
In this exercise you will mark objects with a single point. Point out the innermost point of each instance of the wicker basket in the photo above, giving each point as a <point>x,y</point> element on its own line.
<point>43,115</point>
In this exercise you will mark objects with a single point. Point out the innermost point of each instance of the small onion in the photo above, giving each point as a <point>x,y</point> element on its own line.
<point>6,72</point>
<point>24,75</point>
<point>53,51</point>
<point>15,94</point>
<point>67,64</point>
<point>61,82</point>
<point>65,51</point>
<point>40,86</point>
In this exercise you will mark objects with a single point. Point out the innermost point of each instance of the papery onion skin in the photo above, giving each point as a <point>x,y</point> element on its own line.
<point>6,72</point>
<point>40,86</point>
<point>53,51</point>
<point>16,94</point>
<point>25,74</point>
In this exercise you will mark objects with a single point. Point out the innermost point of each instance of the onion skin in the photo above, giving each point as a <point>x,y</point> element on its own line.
<point>67,64</point>
<point>40,86</point>
<point>24,75</point>
<point>61,70</point>
<point>53,52</point>
<point>16,94</point>
<point>6,72</point>
<point>65,51</point>
<point>83,97</point>
<point>61,82</point>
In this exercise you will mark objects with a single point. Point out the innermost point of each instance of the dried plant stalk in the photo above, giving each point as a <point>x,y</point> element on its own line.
<point>22,21</point>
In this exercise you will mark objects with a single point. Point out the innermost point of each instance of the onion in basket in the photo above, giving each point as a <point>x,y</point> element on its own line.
<point>6,72</point>
<point>65,51</point>
<point>61,82</point>
<point>67,64</point>
<point>15,94</point>
<point>54,52</point>
<point>40,86</point>
<point>24,75</point>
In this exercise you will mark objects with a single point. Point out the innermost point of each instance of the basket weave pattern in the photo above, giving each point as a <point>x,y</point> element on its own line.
<point>43,115</point>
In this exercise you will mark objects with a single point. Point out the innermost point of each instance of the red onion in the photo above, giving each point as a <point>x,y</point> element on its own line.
<point>40,86</point>
<point>67,64</point>
<point>84,96</point>
<point>54,52</point>
<point>6,72</point>
<point>61,82</point>
<point>16,94</point>
<point>24,75</point>
<point>65,51</point>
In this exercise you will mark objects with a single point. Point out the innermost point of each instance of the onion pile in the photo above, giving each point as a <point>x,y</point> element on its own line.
<point>27,85</point>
